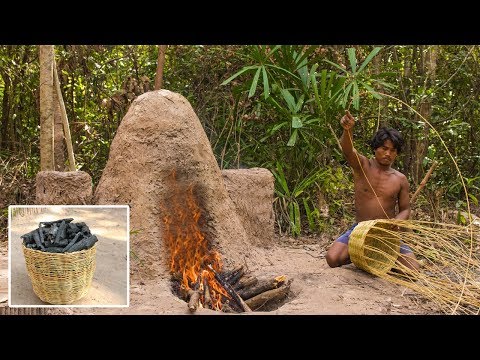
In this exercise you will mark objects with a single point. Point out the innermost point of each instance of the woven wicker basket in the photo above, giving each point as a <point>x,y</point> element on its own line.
<point>374,248</point>
<point>60,278</point>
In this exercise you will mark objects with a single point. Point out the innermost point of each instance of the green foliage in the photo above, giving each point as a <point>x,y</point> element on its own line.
<point>298,102</point>
<point>266,106</point>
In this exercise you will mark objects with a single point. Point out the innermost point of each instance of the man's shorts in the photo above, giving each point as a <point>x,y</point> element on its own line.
<point>345,237</point>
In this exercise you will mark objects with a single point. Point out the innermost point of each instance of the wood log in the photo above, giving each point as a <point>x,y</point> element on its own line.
<point>262,299</point>
<point>230,290</point>
<point>246,282</point>
<point>229,274</point>
<point>226,308</point>
<point>208,298</point>
<point>262,286</point>
<point>194,300</point>
<point>235,278</point>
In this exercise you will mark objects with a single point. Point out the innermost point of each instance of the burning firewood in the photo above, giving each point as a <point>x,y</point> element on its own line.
<point>230,290</point>
<point>226,308</point>
<point>194,300</point>
<point>206,295</point>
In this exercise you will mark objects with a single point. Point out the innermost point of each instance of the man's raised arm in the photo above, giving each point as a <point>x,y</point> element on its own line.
<point>346,141</point>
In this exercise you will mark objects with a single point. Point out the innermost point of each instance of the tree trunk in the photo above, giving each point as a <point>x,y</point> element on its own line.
<point>5,111</point>
<point>160,65</point>
<point>429,63</point>
<point>46,109</point>
<point>383,102</point>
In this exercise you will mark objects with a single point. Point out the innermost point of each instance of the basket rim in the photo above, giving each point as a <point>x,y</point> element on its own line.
<point>35,251</point>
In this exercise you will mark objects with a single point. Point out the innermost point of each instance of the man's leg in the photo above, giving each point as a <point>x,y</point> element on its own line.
<point>338,255</point>
<point>408,258</point>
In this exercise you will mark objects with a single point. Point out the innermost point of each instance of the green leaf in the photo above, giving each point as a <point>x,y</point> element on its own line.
<point>336,65</point>
<point>253,87</point>
<point>281,179</point>
<point>371,91</point>
<point>474,199</point>
<point>369,58</point>
<point>385,84</point>
<point>356,96</point>
<point>278,126</point>
<point>293,138</point>
<point>310,213</point>
<point>289,100</point>
<point>353,60</point>
<point>238,74</point>
<point>323,84</point>
<point>345,95</point>
<point>296,122</point>
<point>266,87</point>
<point>299,104</point>
<point>283,70</point>
<point>298,221</point>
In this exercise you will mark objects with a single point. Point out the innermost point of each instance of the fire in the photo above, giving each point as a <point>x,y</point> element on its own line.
<point>189,250</point>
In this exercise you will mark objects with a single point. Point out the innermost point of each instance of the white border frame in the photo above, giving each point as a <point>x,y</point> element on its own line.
<point>10,207</point>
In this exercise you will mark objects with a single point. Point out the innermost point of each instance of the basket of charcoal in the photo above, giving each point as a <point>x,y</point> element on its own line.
<point>60,259</point>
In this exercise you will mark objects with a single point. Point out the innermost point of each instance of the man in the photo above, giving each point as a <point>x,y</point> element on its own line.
<point>390,187</point>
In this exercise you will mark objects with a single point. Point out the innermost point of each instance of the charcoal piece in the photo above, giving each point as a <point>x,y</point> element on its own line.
<point>49,223</point>
<point>85,243</point>
<point>27,239</point>
<point>73,241</point>
<point>54,249</point>
<point>62,243</point>
<point>86,230</point>
<point>49,244</point>
<point>36,237</point>
<point>61,232</point>
<point>41,235</point>
<point>52,233</point>
<point>72,229</point>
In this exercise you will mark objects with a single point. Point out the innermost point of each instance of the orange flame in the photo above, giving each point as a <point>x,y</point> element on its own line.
<point>189,250</point>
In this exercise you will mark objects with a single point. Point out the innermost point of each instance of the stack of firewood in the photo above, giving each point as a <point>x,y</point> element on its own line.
<point>246,292</point>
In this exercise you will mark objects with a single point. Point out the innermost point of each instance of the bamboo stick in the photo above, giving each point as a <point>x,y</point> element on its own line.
<point>63,113</point>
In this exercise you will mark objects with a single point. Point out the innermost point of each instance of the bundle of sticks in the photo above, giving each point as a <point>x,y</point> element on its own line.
<point>245,292</point>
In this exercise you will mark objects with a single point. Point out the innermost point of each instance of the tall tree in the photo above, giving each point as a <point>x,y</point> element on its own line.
<point>46,108</point>
<point>160,65</point>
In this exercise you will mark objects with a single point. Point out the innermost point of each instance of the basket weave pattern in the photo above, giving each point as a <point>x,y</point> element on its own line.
<point>372,247</point>
<point>60,278</point>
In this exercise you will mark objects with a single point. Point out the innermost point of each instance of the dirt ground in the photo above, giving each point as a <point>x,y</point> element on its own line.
<point>110,280</point>
<point>317,289</point>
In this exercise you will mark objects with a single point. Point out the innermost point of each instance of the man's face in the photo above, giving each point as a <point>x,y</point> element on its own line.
<point>386,153</point>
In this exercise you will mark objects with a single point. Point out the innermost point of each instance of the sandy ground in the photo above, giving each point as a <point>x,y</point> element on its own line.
<point>317,289</point>
<point>110,281</point>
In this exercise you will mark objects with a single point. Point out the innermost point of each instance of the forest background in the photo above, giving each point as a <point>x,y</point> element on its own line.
<point>276,107</point>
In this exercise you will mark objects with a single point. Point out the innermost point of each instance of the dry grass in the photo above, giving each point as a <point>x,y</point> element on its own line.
<point>449,273</point>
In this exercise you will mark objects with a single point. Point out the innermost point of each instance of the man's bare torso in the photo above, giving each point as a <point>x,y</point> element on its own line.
<point>387,185</point>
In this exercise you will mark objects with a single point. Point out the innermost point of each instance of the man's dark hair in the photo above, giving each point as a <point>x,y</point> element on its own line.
<point>385,133</point>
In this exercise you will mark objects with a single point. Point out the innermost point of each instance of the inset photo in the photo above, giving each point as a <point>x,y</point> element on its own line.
<point>68,255</point>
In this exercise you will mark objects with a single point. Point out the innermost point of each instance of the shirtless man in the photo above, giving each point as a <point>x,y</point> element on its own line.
<point>391,187</point>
